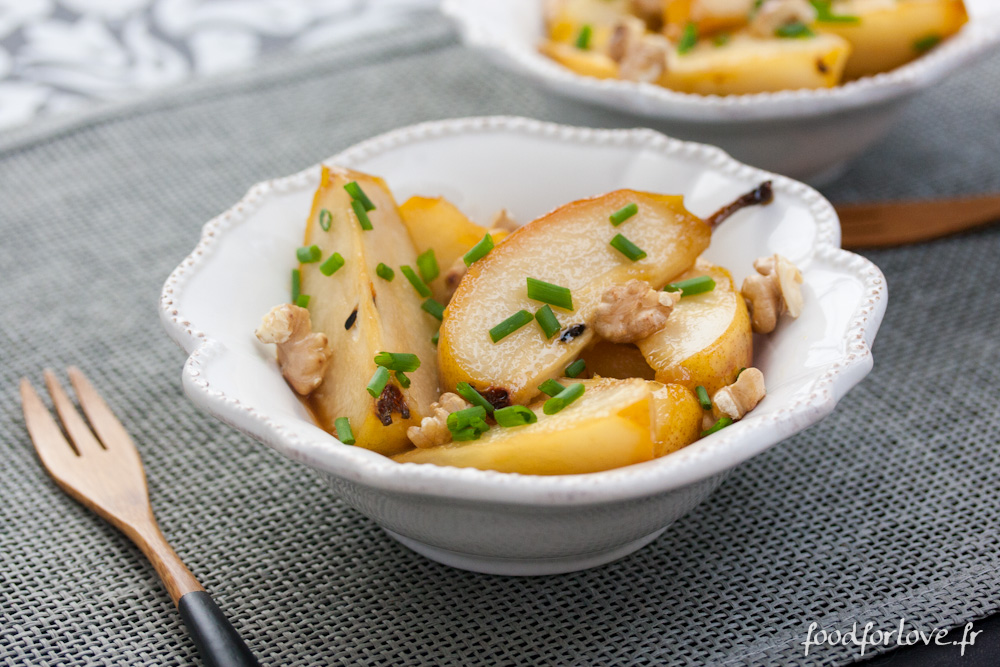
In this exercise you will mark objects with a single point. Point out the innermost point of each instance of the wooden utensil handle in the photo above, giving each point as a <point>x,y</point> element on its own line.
<point>218,642</point>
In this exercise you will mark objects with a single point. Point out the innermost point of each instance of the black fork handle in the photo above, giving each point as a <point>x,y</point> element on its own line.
<point>217,640</point>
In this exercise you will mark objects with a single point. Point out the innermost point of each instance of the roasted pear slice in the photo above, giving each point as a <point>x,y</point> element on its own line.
<point>363,314</point>
<point>617,360</point>
<point>707,338</point>
<point>611,425</point>
<point>569,247</point>
<point>678,418</point>
<point>887,35</point>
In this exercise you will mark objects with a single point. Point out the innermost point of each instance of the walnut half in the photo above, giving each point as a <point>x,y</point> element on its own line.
<point>433,430</point>
<point>302,354</point>
<point>775,14</point>
<point>741,396</point>
<point>633,311</point>
<point>775,291</point>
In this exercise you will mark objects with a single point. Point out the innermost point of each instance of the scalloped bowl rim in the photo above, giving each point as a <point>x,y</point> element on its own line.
<point>650,100</point>
<point>705,458</point>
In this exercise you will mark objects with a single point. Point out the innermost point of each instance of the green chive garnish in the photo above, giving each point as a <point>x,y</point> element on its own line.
<point>302,300</point>
<point>427,265</point>
<point>718,426</point>
<point>434,308</point>
<point>721,39</point>
<point>469,393</point>
<point>706,402</point>
<point>325,219</point>
<point>309,254</point>
<point>539,290</point>
<point>357,194</point>
<point>824,13</point>
<point>692,286</point>
<point>688,39</point>
<point>624,213</point>
<point>510,325</point>
<point>418,284</point>
<point>436,337</point>
<point>468,424</point>
<point>479,250</point>
<point>296,284</point>
<point>384,272</point>
<point>550,387</point>
<point>378,381</point>
<point>344,432</point>
<point>332,264</point>
<point>794,30</point>
<point>359,210</point>
<point>401,378</point>
<point>547,321</point>
<point>740,373</point>
<point>563,398</point>
<point>627,248</point>
<point>583,39</point>
<point>514,415</point>
<point>398,361</point>
<point>575,368</point>
<point>927,43</point>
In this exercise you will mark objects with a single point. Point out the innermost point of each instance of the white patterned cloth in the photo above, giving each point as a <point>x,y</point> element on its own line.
<point>63,55</point>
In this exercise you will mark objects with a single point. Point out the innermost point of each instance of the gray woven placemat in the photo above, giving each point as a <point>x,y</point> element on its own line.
<point>887,509</point>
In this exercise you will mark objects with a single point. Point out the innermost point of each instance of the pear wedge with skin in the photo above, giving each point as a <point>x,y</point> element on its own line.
<point>363,314</point>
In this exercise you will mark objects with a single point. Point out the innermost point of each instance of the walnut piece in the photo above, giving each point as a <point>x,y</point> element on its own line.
<point>641,56</point>
<point>775,291</point>
<point>633,311</point>
<point>741,396</point>
<point>302,354</point>
<point>503,222</point>
<point>433,430</point>
<point>775,14</point>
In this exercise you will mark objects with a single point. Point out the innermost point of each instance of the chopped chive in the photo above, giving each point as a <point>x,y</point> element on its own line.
<point>344,433</point>
<point>927,43</point>
<point>624,213</point>
<point>514,415</point>
<point>436,337</point>
<point>575,368</point>
<point>550,387</point>
<point>434,308</point>
<point>469,393</point>
<point>718,426</point>
<point>794,30</point>
<point>467,424</point>
<point>627,248</point>
<point>583,39</point>
<point>309,254</point>
<point>384,272</point>
<point>721,39</point>
<point>706,402</point>
<point>357,194</point>
<point>740,373</point>
<point>427,265</point>
<point>479,250</point>
<point>359,210</point>
<point>558,402</point>
<point>296,284</point>
<point>824,13</point>
<point>398,361</point>
<point>689,38</point>
<point>510,325</point>
<point>378,381</point>
<point>539,290</point>
<point>302,300</point>
<point>547,321</point>
<point>325,219</point>
<point>332,264</point>
<point>401,378</point>
<point>418,284</point>
<point>692,286</point>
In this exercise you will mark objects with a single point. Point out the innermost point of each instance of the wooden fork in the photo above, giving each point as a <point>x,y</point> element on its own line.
<point>105,474</point>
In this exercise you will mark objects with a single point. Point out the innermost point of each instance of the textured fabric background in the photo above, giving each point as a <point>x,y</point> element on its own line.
<point>887,509</point>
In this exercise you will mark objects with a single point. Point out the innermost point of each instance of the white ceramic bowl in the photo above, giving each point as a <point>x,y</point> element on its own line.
<point>806,134</point>
<point>500,522</point>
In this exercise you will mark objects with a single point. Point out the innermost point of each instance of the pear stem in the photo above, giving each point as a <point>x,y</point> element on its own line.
<point>762,195</point>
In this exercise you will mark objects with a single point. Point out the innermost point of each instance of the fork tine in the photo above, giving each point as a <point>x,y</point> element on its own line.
<point>49,442</point>
<point>77,429</point>
<point>102,419</point>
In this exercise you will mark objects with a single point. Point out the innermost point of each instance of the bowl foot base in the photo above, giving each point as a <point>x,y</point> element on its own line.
<point>523,567</point>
